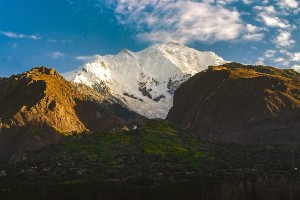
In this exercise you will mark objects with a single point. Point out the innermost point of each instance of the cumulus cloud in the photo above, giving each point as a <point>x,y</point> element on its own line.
<point>283,39</point>
<point>296,68</point>
<point>273,16</point>
<point>295,57</point>
<point>180,21</point>
<point>266,9</point>
<point>285,52</point>
<point>277,18</point>
<point>288,3</point>
<point>269,53</point>
<point>286,57</point>
<point>19,35</point>
<point>253,29</point>
<point>279,60</point>
<point>273,21</point>
<point>253,33</point>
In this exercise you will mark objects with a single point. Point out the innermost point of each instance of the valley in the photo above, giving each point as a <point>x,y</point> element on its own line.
<point>232,133</point>
<point>150,100</point>
<point>158,160</point>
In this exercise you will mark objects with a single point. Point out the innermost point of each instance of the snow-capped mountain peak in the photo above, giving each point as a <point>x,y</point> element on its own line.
<point>145,81</point>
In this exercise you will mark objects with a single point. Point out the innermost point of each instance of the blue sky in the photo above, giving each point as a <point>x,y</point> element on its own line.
<point>63,33</point>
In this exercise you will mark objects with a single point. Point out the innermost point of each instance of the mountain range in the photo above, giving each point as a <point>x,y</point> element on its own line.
<point>145,81</point>
<point>227,130</point>
<point>216,100</point>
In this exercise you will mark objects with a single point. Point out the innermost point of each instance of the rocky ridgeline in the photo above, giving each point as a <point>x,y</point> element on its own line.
<point>240,104</point>
<point>37,106</point>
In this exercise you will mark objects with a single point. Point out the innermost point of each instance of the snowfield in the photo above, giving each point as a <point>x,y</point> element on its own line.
<point>145,81</point>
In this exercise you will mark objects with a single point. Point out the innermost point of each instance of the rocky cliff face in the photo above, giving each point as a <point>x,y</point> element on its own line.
<point>37,106</point>
<point>240,104</point>
<point>40,96</point>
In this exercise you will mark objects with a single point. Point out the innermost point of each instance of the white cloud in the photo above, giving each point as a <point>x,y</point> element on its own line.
<point>267,9</point>
<point>296,68</point>
<point>272,17</point>
<point>253,29</point>
<point>254,36</point>
<point>288,4</point>
<point>279,60</point>
<point>85,58</point>
<point>260,61</point>
<point>18,35</point>
<point>269,53</point>
<point>222,2</point>
<point>248,1</point>
<point>286,52</point>
<point>289,57</point>
<point>273,21</point>
<point>295,57</point>
<point>55,54</point>
<point>180,21</point>
<point>253,33</point>
<point>283,39</point>
<point>283,57</point>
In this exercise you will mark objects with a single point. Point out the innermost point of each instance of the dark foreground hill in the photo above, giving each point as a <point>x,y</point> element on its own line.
<point>240,104</point>
<point>38,106</point>
<point>158,160</point>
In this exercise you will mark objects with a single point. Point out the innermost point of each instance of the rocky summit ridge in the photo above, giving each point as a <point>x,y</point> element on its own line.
<point>37,106</point>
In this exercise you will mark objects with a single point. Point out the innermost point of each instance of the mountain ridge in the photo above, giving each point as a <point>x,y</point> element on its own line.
<point>145,81</point>
<point>234,103</point>
<point>38,106</point>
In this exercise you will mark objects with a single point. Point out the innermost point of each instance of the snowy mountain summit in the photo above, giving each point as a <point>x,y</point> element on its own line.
<point>145,81</point>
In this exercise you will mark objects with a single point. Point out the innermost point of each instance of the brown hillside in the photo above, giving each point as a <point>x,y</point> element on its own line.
<point>241,104</point>
<point>39,105</point>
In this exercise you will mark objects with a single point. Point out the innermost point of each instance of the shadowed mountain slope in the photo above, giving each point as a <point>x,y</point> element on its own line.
<point>240,104</point>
